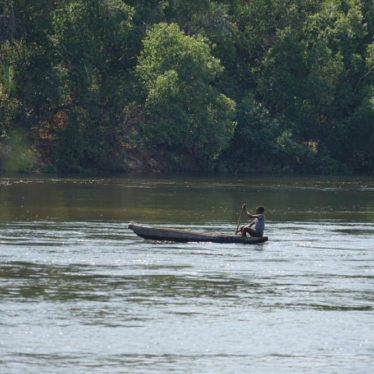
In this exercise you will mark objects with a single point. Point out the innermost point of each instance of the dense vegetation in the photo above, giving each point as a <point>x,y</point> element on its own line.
<point>178,85</point>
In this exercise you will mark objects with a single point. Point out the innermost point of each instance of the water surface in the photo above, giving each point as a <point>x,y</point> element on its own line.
<point>80,293</point>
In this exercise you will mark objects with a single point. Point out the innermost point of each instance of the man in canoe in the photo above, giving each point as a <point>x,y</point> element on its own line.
<point>258,223</point>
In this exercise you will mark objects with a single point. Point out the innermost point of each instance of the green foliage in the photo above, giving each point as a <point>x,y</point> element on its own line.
<point>357,138</point>
<point>185,114</point>
<point>253,148</point>
<point>91,40</point>
<point>17,154</point>
<point>89,84</point>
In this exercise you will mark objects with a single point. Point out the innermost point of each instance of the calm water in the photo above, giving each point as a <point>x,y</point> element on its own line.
<point>80,293</point>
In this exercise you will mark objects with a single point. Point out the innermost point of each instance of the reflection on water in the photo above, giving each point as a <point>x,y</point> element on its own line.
<point>185,201</point>
<point>80,293</point>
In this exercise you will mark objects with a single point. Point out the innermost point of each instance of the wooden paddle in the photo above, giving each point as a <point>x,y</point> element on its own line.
<point>240,215</point>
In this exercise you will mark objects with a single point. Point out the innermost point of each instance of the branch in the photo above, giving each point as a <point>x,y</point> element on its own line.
<point>53,111</point>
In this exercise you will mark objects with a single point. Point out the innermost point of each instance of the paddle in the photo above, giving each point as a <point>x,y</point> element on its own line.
<point>240,214</point>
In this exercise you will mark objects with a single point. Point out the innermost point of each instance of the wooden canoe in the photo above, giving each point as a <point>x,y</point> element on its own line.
<point>177,235</point>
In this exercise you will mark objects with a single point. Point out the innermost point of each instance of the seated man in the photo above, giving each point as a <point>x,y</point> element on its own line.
<point>258,222</point>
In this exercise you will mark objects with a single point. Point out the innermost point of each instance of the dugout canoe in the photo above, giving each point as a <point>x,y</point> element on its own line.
<point>184,236</point>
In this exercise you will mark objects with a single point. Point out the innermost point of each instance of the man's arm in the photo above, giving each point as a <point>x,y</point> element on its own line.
<point>244,206</point>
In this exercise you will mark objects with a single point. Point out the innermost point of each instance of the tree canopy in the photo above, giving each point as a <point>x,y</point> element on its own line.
<point>236,86</point>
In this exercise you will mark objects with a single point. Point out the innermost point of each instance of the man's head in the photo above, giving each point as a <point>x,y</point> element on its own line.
<point>260,210</point>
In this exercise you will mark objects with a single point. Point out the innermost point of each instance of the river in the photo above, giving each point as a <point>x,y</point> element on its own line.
<point>80,293</point>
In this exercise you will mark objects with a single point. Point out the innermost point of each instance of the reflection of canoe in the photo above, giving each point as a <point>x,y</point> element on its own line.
<point>176,235</point>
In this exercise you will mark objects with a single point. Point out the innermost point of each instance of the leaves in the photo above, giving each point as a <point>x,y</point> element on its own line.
<point>183,109</point>
<point>192,84</point>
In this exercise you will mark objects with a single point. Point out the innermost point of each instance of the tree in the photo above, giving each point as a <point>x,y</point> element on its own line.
<point>89,84</point>
<point>254,145</point>
<point>185,114</point>
<point>91,39</point>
